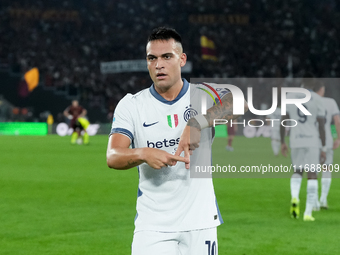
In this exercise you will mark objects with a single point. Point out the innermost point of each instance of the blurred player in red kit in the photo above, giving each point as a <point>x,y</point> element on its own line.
<point>73,112</point>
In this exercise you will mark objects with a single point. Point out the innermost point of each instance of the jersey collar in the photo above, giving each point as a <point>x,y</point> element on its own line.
<point>163,100</point>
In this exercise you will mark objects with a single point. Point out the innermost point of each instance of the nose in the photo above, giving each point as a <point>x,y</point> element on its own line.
<point>159,64</point>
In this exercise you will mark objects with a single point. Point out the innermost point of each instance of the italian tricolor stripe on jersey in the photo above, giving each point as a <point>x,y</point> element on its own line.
<point>173,120</point>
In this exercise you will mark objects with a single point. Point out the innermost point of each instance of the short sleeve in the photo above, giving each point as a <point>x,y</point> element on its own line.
<point>122,122</point>
<point>222,91</point>
<point>335,108</point>
<point>214,94</point>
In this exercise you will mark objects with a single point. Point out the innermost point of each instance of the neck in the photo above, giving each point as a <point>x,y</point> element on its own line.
<point>172,92</point>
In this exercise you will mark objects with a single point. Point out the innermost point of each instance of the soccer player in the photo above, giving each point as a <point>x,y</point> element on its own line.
<point>176,214</point>
<point>73,112</point>
<point>304,144</point>
<point>332,113</point>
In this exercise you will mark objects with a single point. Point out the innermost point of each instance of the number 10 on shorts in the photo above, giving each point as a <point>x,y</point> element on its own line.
<point>211,247</point>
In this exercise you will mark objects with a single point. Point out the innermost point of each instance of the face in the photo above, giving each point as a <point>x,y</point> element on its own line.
<point>75,103</point>
<point>165,59</point>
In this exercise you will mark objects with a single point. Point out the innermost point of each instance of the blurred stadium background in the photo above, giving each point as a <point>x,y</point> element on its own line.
<point>73,42</point>
<point>58,199</point>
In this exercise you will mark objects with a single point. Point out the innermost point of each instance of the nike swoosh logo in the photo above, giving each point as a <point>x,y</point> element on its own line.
<point>148,125</point>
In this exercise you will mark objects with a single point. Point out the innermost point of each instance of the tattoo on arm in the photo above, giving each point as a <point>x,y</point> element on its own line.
<point>221,111</point>
<point>131,162</point>
<point>193,123</point>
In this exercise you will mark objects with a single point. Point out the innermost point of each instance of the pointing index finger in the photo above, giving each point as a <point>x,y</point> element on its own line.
<point>178,151</point>
<point>187,157</point>
<point>179,158</point>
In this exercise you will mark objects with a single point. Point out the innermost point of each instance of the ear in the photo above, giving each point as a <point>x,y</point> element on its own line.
<point>183,59</point>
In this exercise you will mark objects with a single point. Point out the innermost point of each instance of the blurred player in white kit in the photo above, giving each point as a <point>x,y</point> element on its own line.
<point>332,114</point>
<point>305,148</point>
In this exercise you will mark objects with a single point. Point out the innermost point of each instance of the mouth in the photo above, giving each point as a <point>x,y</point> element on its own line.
<point>161,76</point>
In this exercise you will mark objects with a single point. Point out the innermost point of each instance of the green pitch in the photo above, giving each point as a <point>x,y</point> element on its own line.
<point>57,198</point>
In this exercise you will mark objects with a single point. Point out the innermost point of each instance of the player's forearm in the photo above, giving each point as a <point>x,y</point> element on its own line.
<point>224,110</point>
<point>124,158</point>
<point>218,111</point>
<point>83,114</point>
<point>322,135</point>
<point>322,131</point>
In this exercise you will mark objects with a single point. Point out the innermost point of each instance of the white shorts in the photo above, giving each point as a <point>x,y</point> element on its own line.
<point>305,157</point>
<point>198,242</point>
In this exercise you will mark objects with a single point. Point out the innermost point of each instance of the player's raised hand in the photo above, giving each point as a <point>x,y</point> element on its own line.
<point>157,158</point>
<point>182,146</point>
<point>284,149</point>
<point>188,142</point>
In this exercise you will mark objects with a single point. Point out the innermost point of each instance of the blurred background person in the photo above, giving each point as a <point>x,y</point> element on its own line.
<point>73,113</point>
<point>332,114</point>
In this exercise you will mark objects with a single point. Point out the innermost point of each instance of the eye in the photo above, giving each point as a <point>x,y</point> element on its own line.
<point>167,57</point>
<point>151,58</point>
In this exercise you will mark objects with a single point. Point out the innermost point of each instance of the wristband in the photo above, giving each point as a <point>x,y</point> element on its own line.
<point>324,149</point>
<point>202,121</point>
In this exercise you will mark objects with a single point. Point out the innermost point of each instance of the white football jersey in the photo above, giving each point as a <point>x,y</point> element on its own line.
<point>305,133</point>
<point>331,110</point>
<point>168,199</point>
<point>275,124</point>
